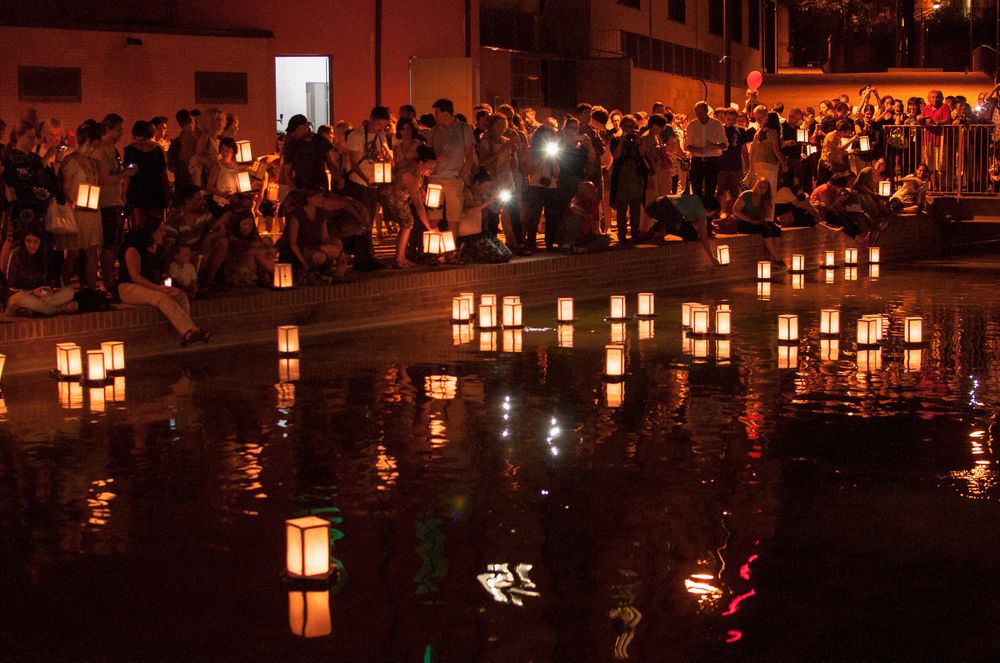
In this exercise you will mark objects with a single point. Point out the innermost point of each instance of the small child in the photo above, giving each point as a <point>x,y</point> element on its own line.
<point>182,272</point>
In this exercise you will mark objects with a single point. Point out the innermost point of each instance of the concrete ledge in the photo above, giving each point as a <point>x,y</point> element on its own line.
<point>394,298</point>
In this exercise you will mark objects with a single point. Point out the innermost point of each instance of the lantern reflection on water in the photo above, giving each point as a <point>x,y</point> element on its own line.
<point>646,330</point>
<point>764,291</point>
<point>869,359</point>
<point>441,387</point>
<point>788,356</point>
<point>618,332</point>
<point>798,281</point>
<point>309,613</point>
<point>912,358</point>
<point>487,341</point>
<point>829,349</point>
<point>512,340</point>
<point>461,333</point>
<point>614,394</point>
<point>288,369</point>
<point>565,336</point>
<point>723,349</point>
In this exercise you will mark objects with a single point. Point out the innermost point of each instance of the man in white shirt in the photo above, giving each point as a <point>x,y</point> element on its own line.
<point>705,140</point>
<point>366,145</point>
<point>454,144</point>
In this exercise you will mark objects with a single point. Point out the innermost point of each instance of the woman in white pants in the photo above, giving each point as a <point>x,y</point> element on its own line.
<point>766,158</point>
<point>141,282</point>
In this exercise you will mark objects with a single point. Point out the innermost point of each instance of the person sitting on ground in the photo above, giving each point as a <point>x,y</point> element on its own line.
<point>866,190</point>
<point>912,193</point>
<point>480,221</point>
<point>183,274</point>
<point>582,222</point>
<point>193,225</point>
<point>754,210</point>
<point>250,260</point>
<point>29,283</point>
<point>306,242</point>
<point>140,282</point>
<point>831,199</point>
<point>686,216</point>
<point>792,208</point>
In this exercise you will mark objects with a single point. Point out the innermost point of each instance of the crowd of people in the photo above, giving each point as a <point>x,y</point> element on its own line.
<point>89,219</point>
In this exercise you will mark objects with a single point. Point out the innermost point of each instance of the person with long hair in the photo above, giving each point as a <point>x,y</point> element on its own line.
<point>32,184</point>
<point>148,191</point>
<point>766,158</point>
<point>498,156</point>
<point>405,196</point>
<point>306,241</point>
<point>542,170</point>
<point>80,169</point>
<point>754,211</point>
<point>31,288</point>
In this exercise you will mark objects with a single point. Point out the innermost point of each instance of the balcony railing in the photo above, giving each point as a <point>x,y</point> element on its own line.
<point>968,156</point>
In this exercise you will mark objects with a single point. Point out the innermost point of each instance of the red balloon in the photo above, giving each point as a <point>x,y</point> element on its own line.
<point>754,79</point>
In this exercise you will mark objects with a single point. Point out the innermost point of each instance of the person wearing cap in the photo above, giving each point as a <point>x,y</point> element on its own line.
<point>306,157</point>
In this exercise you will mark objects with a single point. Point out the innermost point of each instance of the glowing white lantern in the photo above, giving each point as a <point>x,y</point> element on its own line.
<point>686,313</point>
<point>722,254</point>
<point>864,144</point>
<point>617,332</point>
<point>788,328</point>
<point>912,359</point>
<point>764,291</point>
<point>487,341</point>
<point>647,305</point>
<point>3,361</point>
<point>88,196</point>
<point>309,613</point>
<point>70,395</point>
<point>699,319</point>
<point>433,242</point>
<point>258,170</point>
<point>461,333</point>
<point>723,349</point>
<point>723,321</point>
<point>850,273</point>
<point>288,369</point>
<point>511,311</point>
<point>798,262</point>
<point>283,275</point>
<point>829,321</point>
<point>614,394</point>
<point>885,188</point>
<point>95,366</point>
<point>868,329</point>
<point>617,307</point>
<point>564,309</point>
<point>243,152</point>
<point>273,192</point>
<point>512,339</point>
<point>869,360</point>
<point>487,300</point>
<point>798,281</point>
<point>829,349</point>
<point>114,356</point>
<point>460,308</point>
<point>307,547</point>
<point>448,241</point>
<point>873,255</point>
<point>788,356</point>
<point>646,330</point>
<point>565,336</point>
<point>879,324</point>
<point>243,182</point>
<point>471,299</point>
<point>383,172</point>
<point>913,330</point>
<point>434,196</point>
<point>802,135</point>
<point>441,387</point>
<point>288,339</point>
<point>763,270</point>
<point>829,259</point>
<point>614,360</point>
<point>69,360</point>
<point>850,256</point>
<point>487,316</point>
<point>811,150</point>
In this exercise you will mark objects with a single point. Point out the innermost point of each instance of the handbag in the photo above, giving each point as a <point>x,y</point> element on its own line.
<point>59,219</point>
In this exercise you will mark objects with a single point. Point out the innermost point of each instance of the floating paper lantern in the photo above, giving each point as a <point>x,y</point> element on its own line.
<point>788,328</point>
<point>850,273</point>
<point>614,394</point>
<point>722,254</point>
<point>913,330</point>
<point>829,349</point>
<point>114,356</point>
<point>309,613</point>
<point>802,135</point>
<point>283,275</point>
<point>95,366</point>
<point>617,307</point>
<point>383,172</point>
<point>829,259</point>
<point>686,313</point>
<point>614,361</point>
<point>646,304</point>
<point>723,349</point>
<point>868,329</point>
<point>243,182</point>
<point>788,356</point>
<point>829,321</point>
<point>69,360</point>
<point>433,242</point>
<point>617,332</point>
<point>243,152</point>
<point>912,359</point>
<point>70,395</point>
<point>879,322</point>
<point>434,196</point>
<point>512,339</point>
<point>764,291</point>
<point>487,316</point>
<point>798,281</point>
<point>88,196</point>
<point>869,360</point>
<point>763,270</point>
<point>288,369</point>
<point>511,311</point>
<point>798,262</point>
<point>488,300</point>
<point>460,311</point>
<point>471,299</point>
<point>699,319</point>
<point>723,321</point>
<point>307,547</point>
<point>487,341</point>
<point>885,188</point>
<point>564,309</point>
<point>288,339</point>
<point>565,336</point>
<point>461,333</point>
<point>441,387</point>
<point>646,330</point>
<point>850,256</point>
<point>873,255</point>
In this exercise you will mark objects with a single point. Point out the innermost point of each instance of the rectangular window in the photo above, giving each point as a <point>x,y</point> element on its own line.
<point>736,20</point>
<point>753,23</point>
<point>527,80</point>
<point>634,4</point>
<point>220,87</point>
<point>49,84</point>
<point>715,17</point>
<point>677,11</point>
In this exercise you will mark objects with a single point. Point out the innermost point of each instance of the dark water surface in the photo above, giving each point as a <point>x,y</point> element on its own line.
<point>727,510</point>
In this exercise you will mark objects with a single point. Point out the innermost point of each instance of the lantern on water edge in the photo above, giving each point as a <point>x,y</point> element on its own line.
<point>699,320</point>
<point>723,321</point>
<point>69,360</point>
<point>461,333</point>
<point>95,366</point>
<point>487,316</point>
<point>913,330</point>
<point>723,348</point>
<point>617,332</point>
<point>722,254</point>
<point>448,241</point>
<point>647,305</point>
<point>614,393</point>
<point>617,307</point>
<point>885,188</point>
<point>763,270</point>
<point>383,172</point>
<point>243,152</point>
<point>460,311</point>
<point>511,311</point>
<point>283,275</point>
<point>488,300</point>
<point>869,360</point>
<point>829,349</point>
<point>788,328</point>
<point>912,359</point>
<point>243,182</point>
<point>798,263</point>
<point>850,256</point>
<point>288,339</point>
<point>829,321</point>
<point>70,395</point>
<point>867,331</point>
<point>686,313</point>
<point>850,273</point>
<point>441,387</point>
<point>309,614</point>
<point>487,341</point>
<point>564,309</point>
<point>873,255</point>
<point>88,196</point>
<point>434,196</point>
<point>565,336</point>
<point>798,281</point>
<point>307,547</point>
<point>829,259</point>
<point>114,356</point>
<point>646,330</point>
<point>512,339</point>
<point>764,291</point>
<point>288,369</point>
<point>802,135</point>
<point>433,242</point>
<point>788,356</point>
<point>614,361</point>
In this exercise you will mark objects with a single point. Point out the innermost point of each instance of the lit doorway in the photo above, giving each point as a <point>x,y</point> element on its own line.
<point>302,86</point>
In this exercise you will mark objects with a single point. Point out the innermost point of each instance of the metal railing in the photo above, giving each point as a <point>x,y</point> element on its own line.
<point>965,157</point>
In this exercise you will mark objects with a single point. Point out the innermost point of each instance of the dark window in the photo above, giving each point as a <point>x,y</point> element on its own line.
<point>220,87</point>
<point>677,11</point>
<point>634,4</point>
<point>49,84</point>
<point>668,58</point>
<point>527,80</point>
<point>715,17</point>
<point>560,83</point>
<point>753,23</point>
<point>643,45</point>
<point>736,20</point>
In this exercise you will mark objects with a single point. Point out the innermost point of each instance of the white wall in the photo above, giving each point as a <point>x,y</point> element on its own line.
<point>291,76</point>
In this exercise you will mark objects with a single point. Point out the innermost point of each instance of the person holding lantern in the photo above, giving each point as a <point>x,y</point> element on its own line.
<point>405,196</point>
<point>80,170</point>
<point>368,145</point>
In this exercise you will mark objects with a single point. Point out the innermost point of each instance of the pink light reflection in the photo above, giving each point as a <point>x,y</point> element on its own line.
<point>734,605</point>
<point>733,636</point>
<point>745,569</point>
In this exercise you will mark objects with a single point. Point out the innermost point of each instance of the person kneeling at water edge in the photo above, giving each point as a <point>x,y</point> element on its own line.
<point>686,216</point>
